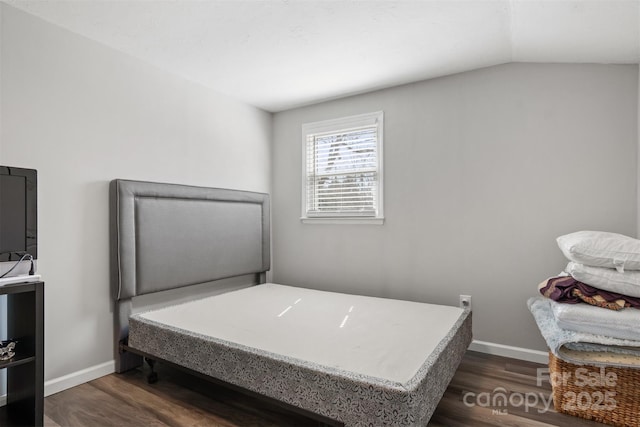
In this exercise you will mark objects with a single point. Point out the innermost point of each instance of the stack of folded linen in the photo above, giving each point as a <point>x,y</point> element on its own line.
<point>591,312</point>
<point>589,316</point>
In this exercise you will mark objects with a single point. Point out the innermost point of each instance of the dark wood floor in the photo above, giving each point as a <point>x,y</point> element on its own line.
<point>181,400</point>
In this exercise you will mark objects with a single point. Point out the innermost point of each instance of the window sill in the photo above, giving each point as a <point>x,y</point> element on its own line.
<point>349,220</point>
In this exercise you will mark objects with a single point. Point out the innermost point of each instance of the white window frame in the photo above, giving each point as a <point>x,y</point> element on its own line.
<point>333,125</point>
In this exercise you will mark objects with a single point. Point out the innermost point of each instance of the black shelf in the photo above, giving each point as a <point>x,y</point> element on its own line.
<point>18,359</point>
<point>25,371</point>
<point>6,420</point>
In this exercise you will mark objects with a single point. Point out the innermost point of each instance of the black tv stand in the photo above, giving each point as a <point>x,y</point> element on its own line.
<point>25,371</point>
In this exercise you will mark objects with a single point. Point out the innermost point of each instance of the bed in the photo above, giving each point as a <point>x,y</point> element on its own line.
<point>339,358</point>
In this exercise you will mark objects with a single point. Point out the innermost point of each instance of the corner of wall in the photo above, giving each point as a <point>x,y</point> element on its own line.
<point>1,51</point>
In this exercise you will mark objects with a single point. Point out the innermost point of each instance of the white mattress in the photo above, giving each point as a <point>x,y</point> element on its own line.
<point>382,338</point>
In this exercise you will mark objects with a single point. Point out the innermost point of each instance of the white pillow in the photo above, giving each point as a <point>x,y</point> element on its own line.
<point>601,249</point>
<point>607,279</point>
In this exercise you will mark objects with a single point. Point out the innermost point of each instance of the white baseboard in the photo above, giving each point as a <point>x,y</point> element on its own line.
<point>73,379</point>
<point>509,351</point>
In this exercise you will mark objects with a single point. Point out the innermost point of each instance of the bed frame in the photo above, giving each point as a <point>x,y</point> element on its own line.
<point>210,236</point>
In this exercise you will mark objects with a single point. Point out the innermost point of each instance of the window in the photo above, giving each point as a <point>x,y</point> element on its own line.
<point>342,170</point>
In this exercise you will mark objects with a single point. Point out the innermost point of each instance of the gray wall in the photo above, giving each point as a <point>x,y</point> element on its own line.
<point>483,171</point>
<point>84,114</point>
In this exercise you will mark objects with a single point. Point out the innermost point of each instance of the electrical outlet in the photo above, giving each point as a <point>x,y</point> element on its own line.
<point>465,301</point>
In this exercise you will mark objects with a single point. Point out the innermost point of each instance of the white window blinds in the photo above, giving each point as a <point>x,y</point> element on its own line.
<point>343,173</point>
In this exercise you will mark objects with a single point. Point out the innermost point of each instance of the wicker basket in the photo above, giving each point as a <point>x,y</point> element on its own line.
<point>596,393</point>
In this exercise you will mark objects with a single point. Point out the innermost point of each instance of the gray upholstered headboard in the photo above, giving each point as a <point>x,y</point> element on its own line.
<point>166,236</point>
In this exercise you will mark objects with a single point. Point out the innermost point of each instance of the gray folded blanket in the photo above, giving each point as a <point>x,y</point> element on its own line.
<point>582,348</point>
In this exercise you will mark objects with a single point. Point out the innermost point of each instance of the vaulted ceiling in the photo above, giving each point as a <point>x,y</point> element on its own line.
<point>279,54</point>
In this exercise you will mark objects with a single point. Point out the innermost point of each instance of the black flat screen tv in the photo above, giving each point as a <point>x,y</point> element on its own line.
<point>18,213</point>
